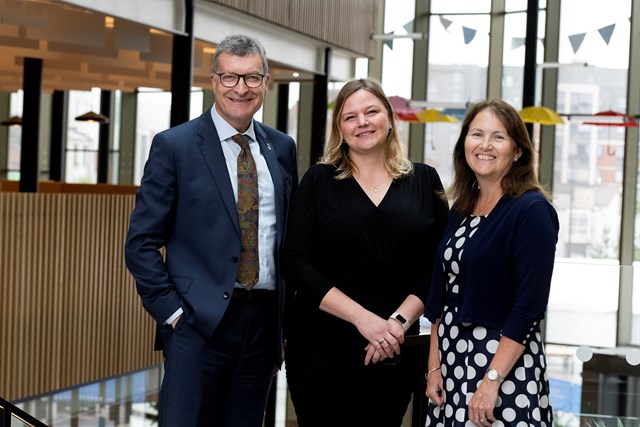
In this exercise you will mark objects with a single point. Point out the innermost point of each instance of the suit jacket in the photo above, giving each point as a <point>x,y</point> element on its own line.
<point>186,205</point>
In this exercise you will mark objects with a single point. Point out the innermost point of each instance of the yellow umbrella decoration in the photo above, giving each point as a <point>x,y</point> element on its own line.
<point>432,115</point>
<point>542,115</point>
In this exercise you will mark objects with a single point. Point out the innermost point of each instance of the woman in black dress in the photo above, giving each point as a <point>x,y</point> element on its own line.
<point>491,281</point>
<point>362,233</point>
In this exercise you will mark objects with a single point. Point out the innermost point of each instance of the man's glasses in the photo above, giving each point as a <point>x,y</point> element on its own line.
<point>253,80</point>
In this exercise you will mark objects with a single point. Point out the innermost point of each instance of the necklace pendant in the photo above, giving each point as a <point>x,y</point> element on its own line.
<point>375,189</point>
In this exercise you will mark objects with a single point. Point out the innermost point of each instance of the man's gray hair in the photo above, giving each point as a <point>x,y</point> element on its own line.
<point>240,45</point>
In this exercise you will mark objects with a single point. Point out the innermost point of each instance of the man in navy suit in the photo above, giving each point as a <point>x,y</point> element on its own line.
<point>222,341</point>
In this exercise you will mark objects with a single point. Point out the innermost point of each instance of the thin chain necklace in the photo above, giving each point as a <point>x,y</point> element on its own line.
<point>490,205</point>
<point>376,188</point>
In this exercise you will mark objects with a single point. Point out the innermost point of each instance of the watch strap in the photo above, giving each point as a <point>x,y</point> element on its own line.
<point>400,319</point>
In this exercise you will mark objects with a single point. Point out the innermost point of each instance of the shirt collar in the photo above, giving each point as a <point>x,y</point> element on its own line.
<point>225,130</point>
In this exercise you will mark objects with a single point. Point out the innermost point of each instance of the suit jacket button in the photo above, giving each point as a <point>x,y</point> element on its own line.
<point>225,295</point>
<point>234,259</point>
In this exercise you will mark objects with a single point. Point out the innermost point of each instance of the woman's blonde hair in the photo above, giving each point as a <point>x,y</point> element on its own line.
<point>520,178</point>
<point>336,151</point>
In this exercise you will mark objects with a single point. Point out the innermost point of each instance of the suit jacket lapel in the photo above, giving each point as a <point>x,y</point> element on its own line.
<point>211,149</point>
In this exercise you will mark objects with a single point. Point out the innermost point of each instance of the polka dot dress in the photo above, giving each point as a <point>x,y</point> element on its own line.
<point>466,351</point>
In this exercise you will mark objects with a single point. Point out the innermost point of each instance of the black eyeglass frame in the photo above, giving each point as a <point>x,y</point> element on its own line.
<point>244,79</point>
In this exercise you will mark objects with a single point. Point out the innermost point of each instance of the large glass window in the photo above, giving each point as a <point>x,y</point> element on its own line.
<point>588,171</point>
<point>15,138</point>
<point>81,154</point>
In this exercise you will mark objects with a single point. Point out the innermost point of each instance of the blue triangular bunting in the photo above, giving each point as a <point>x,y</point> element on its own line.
<point>516,42</point>
<point>469,34</point>
<point>576,41</point>
<point>408,27</point>
<point>445,22</point>
<point>607,32</point>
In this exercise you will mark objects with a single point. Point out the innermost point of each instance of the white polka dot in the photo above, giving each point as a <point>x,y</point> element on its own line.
<point>475,221</point>
<point>470,346</point>
<point>532,387</point>
<point>537,374</point>
<point>543,362</point>
<point>460,254</point>
<point>452,277</point>
<point>473,232</point>
<point>498,423</point>
<point>450,384</point>
<point>461,346</point>
<point>445,344</point>
<point>451,358</point>
<point>463,389</point>
<point>499,402</point>
<point>544,402</point>
<point>454,267</point>
<point>522,401</point>
<point>528,360</point>
<point>460,242</point>
<point>444,369</point>
<point>468,398</point>
<point>448,411</point>
<point>471,372</point>
<point>460,414</point>
<point>460,231</point>
<point>448,318</point>
<point>492,346</point>
<point>522,424</point>
<point>584,353</point>
<point>447,254</point>
<point>508,387</point>
<point>456,399</point>
<point>441,328</point>
<point>509,414</point>
<point>469,424</point>
<point>520,373</point>
<point>480,333</point>
<point>458,372</point>
<point>436,411</point>
<point>480,359</point>
<point>454,331</point>
<point>534,347</point>
<point>536,414</point>
<point>455,289</point>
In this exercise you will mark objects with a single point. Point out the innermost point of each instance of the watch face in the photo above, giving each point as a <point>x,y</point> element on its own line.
<point>400,318</point>
<point>493,375</point>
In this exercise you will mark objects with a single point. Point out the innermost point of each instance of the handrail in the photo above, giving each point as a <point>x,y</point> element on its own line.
<point>9,410</point>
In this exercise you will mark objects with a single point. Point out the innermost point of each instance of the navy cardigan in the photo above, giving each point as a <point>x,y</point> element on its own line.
<point>506,268</point>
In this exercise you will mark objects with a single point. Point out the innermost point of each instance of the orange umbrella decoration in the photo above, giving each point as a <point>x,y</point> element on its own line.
<point>542,115</point>
<point>608,118</point>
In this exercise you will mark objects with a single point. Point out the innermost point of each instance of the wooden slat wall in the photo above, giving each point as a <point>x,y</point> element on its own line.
<point>69,311</point>
<point>348,24</point>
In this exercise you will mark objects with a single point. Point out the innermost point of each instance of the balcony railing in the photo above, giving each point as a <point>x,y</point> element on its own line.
<point>11,415</point>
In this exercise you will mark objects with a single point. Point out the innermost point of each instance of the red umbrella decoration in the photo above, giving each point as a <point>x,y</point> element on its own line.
<point>402,109</point>
<point>624,119</point>
<point>407,113</point>
<point>612,118</point>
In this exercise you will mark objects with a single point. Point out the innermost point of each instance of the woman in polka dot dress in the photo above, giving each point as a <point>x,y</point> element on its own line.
<point>491,281</point>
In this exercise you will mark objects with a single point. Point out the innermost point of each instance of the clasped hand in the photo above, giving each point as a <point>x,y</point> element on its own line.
<point>385,338</point>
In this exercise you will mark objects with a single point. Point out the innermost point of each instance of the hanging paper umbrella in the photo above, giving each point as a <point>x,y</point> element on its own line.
<point>432,115</point>
<point>402,109</point>
<point>542,115</point>
<point>613,118</point>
